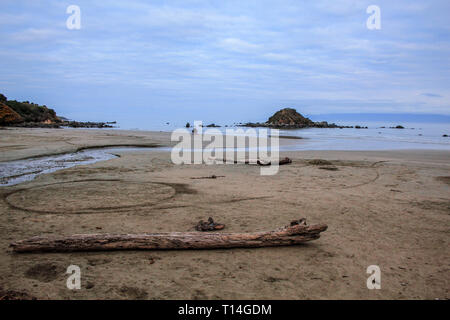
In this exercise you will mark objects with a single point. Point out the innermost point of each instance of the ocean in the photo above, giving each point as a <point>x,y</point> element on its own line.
<point>414,136</point>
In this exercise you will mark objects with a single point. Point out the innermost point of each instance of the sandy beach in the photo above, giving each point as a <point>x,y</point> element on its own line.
<point>385,208</point>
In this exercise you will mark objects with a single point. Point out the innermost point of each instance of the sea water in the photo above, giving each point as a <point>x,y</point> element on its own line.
<point>424,136</point>
<point>414,136</point>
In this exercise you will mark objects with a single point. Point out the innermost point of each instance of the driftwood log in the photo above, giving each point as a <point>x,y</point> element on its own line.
<point>209,177</point>
<point>258,162</point>
<point>295,233</point>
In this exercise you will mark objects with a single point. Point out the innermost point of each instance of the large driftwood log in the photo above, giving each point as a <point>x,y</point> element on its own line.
<point>296,233</point>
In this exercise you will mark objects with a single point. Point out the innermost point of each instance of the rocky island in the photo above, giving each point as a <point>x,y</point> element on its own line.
<point>289,118</point>
<point>31,115</point>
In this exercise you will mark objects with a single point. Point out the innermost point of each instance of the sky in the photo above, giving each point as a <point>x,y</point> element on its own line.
<point>148,62</point>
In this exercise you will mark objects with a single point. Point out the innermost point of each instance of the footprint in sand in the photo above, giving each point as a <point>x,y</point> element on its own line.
<point>44,272</point>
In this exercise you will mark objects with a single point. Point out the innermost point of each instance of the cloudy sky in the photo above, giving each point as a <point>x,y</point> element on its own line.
<point>224,61</point>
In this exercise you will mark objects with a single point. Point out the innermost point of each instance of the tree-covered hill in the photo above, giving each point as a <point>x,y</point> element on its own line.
<point>20,112</point>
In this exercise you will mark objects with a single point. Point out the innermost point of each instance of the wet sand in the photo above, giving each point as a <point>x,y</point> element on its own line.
<point>385,208</point>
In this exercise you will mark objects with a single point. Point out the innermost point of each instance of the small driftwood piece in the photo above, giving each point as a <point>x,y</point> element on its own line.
<point>297,232</point>
<point>209,225</point>
<point>329,168</point>
<point>280,162</point>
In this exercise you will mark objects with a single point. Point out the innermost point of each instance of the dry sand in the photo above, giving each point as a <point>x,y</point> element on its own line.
<point>388,208</point>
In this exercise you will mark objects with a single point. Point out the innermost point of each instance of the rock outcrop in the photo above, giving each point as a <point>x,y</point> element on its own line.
<point>8,116</point>
<point>27,112</point>
<point>31,115</point>
<point>289,118</point>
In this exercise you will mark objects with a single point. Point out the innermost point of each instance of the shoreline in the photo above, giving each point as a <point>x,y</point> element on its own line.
<point>26,143</point>
<point>62,144</point>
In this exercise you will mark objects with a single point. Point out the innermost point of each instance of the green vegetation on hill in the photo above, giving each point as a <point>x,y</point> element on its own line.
<point>31,112</point>
<point>32,115</point>
<point>289,116</point>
